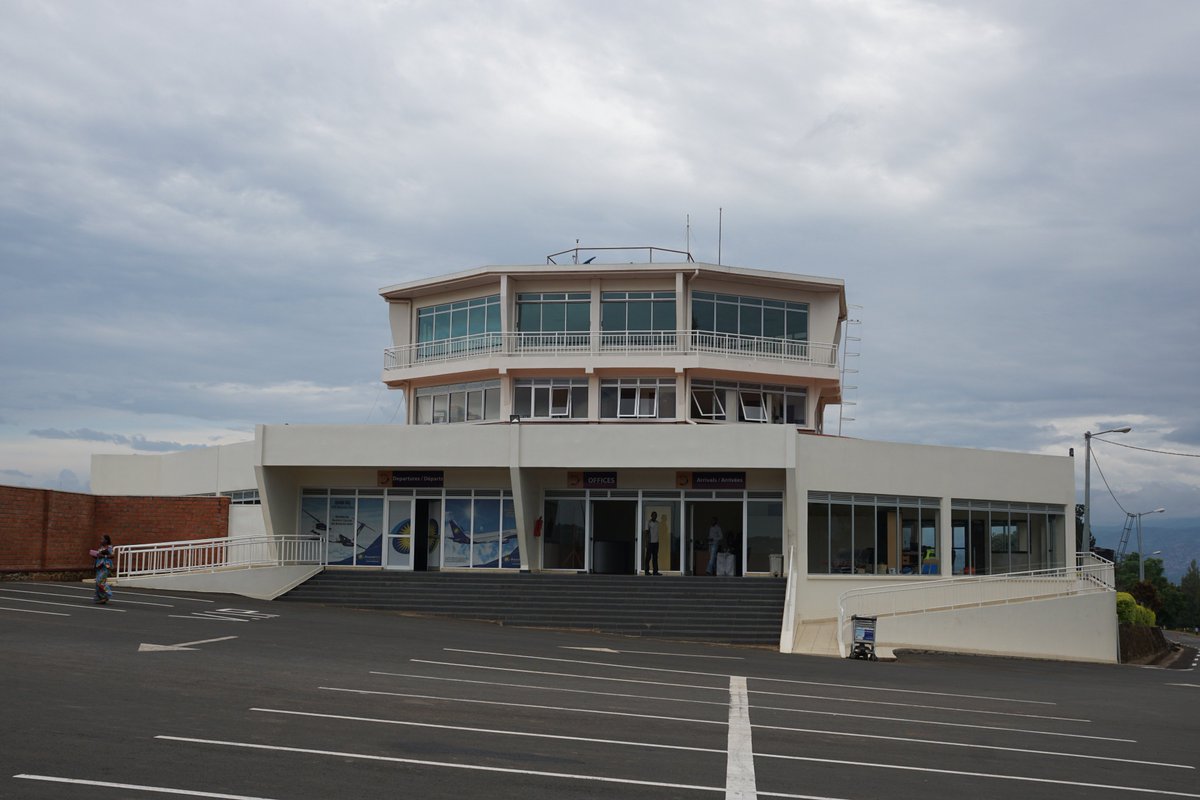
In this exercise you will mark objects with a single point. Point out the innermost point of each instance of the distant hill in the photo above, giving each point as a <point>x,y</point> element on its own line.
<point>1178,539</point>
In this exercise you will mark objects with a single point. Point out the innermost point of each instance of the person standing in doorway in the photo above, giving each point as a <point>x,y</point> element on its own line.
<point>716,538</point>
<point>652,544</point>
<point>104,564</point>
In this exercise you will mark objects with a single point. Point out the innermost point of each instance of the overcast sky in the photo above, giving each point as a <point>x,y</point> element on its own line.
<point>200,200</point>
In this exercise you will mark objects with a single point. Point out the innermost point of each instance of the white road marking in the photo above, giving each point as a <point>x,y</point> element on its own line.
<point>997,776</point>
<point>910,740</point>
<point>739,765</point>
<point>559,689</point>
<point>140,788</point>
<point>65,605</point>
<point>908,720</point>
<point>752,677</point>
<point>523,705</point>
<point>31,611</point>
<point>120,600</point>
<point>789,710</point>
<point>125,592</point>
<point>649,653</point>
<point>499,732</point>
<point>923,707</point>
<point>158,648</point>
<point>206,615</point>
<point>451,765</point>
<point>567,675</point>
<point>721,689</point>
<point>1189,685</point>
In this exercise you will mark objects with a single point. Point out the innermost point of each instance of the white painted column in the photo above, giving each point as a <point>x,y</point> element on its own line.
<point>945,539</point>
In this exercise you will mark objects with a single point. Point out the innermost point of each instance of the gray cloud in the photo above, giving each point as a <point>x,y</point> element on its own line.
<point>198,207</point>
<point>135,442</point>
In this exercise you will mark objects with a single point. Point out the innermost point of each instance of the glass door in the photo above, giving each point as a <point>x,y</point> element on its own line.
<point>398,554</point>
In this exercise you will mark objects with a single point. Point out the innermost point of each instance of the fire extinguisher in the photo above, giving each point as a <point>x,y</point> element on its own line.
<point>537,527</point>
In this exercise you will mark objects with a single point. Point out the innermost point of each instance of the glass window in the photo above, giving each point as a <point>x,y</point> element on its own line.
<point>463,402</point>
<point>637,311</point>
<point>564,533</point>
<point>460,327</point>
<point>764,534</point>
<point>637,398</point>
<point>749,316</point>
<point>553,312</point>
<point>551,398</point>
<point>872,535</point>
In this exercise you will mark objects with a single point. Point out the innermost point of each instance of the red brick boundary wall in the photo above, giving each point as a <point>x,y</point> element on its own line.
<point>42,530</point>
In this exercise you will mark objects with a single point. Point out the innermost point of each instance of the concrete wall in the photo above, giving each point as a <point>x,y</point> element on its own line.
<point>1079,628</point>
<point>204,470</point>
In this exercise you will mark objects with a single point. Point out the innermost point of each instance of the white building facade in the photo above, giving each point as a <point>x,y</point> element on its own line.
<point>553,411</point>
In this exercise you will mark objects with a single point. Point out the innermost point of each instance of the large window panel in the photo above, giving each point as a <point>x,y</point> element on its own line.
<point>764,534</point>
<point>461,402</point>
<point>637,398</point>
<point>818,538</point>
<point>564,533</point>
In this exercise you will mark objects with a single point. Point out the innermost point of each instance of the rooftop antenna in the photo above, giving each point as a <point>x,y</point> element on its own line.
<point>687,224</point>
<point>846,355</point>
<point>576,251</point>
<point>720,228</point>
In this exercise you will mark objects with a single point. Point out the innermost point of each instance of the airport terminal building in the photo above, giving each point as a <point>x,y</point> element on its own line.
<point>553,411</point>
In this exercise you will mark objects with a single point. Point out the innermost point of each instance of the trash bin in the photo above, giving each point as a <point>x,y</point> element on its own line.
<point>864,638</point>
<point>776,565</point>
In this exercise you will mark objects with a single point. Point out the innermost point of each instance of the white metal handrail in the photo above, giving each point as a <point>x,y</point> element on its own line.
<point>685,342</point>
<point>966,591</point>
<point>211,555</point>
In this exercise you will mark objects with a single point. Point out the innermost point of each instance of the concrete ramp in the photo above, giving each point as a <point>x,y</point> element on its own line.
<point>260,583</point>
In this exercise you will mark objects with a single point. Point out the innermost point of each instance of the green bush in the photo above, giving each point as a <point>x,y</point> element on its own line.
<point>1129,612</point>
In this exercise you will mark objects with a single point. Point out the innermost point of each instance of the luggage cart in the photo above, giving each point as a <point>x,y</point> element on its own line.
<point>864,638</point>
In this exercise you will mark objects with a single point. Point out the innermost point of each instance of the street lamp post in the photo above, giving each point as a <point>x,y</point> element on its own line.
<point>1086,540</point>
<point>1141,559</point>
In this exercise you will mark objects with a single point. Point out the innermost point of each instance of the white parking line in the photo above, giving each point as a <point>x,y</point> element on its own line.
<point>994,775</point>
<point>31,611</point>
<point>722,689</point>
<point>923,707</point>
<point>739,765</point>
<point>650,653</point>
<point>140,788</point>
<point>120,599</point>
<point>523,705</point>
<point>65,605</point>
<point>499,732</point>
<point>907,720</point>
<point>476,767</point>
<point>910,740</point>
<point>752,677</point>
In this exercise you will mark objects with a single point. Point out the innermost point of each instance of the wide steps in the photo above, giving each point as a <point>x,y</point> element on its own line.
<point>730,610</point>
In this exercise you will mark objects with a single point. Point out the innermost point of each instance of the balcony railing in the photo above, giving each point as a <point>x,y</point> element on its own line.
<point>632,343</point>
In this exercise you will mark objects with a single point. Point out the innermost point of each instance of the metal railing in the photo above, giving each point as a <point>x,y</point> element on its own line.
<point>1094,575</point>
<point>569,344</point>
<point>211,555</point>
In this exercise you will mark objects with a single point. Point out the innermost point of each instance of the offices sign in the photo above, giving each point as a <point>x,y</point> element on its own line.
<point>592,480</point>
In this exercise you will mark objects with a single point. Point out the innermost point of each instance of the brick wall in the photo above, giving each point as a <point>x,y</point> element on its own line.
<point>47,530</point>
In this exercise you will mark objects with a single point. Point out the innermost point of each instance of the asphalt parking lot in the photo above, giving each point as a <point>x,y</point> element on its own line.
<point>166,694</point>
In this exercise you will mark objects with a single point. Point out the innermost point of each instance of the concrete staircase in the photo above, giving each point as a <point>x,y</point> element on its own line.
<point>709,609</point>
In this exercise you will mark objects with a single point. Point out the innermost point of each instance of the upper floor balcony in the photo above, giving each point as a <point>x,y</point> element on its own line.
<point>664,349</point>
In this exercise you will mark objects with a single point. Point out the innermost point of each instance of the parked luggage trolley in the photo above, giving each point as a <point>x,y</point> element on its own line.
<point>864,638</point>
